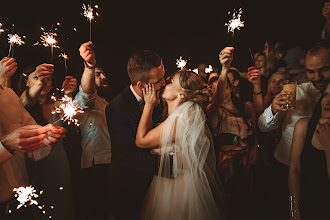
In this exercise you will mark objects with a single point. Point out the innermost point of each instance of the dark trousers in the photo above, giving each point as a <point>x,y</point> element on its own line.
<point>94,192</point>
<point>272,191</point>
<point>128,191</point>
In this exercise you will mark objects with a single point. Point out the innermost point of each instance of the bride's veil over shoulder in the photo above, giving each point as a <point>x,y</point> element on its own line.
<point>187,185</point>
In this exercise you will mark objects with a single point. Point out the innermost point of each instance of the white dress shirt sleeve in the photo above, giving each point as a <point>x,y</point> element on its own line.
<point>267,121</point>
<point>85,100</point>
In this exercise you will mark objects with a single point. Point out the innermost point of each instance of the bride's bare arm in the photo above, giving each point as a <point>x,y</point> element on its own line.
<point>145,137</point>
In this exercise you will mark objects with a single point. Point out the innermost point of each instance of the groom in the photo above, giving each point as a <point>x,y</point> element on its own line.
<point>133,167</point>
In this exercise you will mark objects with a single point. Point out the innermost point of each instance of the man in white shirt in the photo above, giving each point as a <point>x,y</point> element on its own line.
<point>19,134</point>
<point>317,63</point>
<point>96,145</point>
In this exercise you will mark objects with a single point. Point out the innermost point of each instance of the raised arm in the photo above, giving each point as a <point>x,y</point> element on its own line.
<point>226,58</point>
<point>8,67</point>
<point>254,78</point>
<point>88,85</point>
<point>146,138</point>
<point>299,135</point>
<point>44,73</point>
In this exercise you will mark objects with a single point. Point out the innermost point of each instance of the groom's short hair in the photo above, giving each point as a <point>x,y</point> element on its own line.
<point>140,63</point>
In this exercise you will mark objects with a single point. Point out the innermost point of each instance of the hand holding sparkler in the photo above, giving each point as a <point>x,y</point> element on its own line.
<point>25,139</point>
<point>254,76</point>
<point>54,135</point>
<point>69,85</point>
<point>44,73</point>
<point>87,53</point>
<point>226,57</point>
<point>8,67</point>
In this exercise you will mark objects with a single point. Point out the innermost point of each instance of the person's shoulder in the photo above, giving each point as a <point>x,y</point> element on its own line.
<point>302,123</point>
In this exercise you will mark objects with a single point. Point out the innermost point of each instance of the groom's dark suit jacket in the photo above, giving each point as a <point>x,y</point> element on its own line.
<point>133,167</point>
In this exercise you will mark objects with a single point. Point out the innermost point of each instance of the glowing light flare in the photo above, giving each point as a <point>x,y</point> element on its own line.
<point>65,57</point>
<point>26,196</point>
<point>15,39</point>
<point>47,39</point>
<point>1,30</point>
<point>181,63</point>
<point>88,12</point>
<point>209,69</point>
<point>69,109</point>
<point>236,22</point>
<point>195,70</point>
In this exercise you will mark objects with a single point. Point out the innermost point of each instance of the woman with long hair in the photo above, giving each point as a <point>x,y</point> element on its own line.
<point>187,185</point>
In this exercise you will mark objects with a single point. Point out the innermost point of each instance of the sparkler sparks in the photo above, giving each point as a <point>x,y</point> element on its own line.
<point>236,22</point>
<point>195,70</point>
<point>209,69</point>
<point>69,109</point>
<point>65,57</point>
<point>1,30</point>
<point>26,196</point>
<point>47,39</point>
<point>180,63</point>
<point>88,12</point>
<point>14,39</point>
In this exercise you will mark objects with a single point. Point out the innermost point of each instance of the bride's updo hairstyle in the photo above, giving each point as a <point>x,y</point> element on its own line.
<point>193,88</point>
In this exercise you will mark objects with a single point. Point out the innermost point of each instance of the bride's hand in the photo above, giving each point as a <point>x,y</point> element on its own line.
<point>149,95</point>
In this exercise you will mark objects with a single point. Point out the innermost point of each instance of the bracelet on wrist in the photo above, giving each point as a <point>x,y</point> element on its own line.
<point>89,67</point>
<point>256,93</point>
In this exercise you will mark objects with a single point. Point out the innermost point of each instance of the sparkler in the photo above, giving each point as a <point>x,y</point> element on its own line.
<point>209,69</point>
<point>235,23</point>
<point>14,39</point>
<point>1,30</point>
<point>65,57</point>
<point>195,70</point>
<point>180,63</point>
<point>47,39</point>
<point>69,109</point>
<point>26,196</point>
<point>89,14</point>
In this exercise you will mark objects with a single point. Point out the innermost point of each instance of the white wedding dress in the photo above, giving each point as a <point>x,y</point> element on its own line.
<point>187,186</point>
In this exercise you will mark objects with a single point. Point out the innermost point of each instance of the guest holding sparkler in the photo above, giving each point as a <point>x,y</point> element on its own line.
<point>96,145</point>
<point>234,126</point>
<point>20,136</point>
<point>52,172</point>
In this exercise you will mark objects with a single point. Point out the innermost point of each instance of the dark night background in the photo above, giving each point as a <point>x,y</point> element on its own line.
<point>194,30</point>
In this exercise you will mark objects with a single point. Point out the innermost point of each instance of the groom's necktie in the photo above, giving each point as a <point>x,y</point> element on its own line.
<point>141,104</point>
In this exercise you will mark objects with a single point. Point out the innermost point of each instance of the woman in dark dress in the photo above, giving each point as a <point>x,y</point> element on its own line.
<point>309,172</point>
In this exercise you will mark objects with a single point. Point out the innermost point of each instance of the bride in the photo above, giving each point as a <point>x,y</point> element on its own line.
<point>187,186</point>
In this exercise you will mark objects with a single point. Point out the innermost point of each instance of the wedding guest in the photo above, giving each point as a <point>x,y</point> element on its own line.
<point>234,126</point>
<point>309,171</point>
<point>317,62</point>
<point>20,136</point>
<point>35,88</point>
<point>96,145</point>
